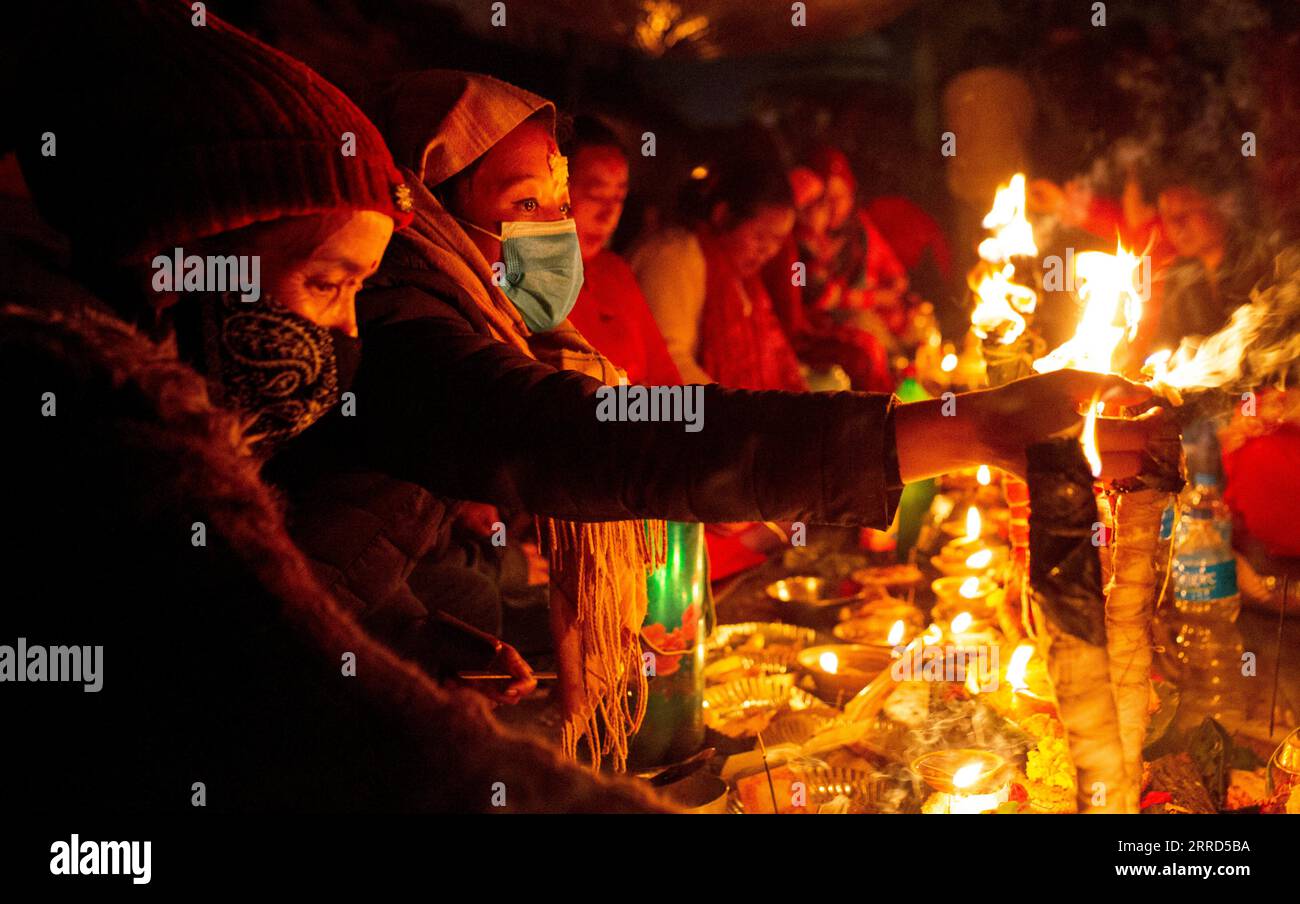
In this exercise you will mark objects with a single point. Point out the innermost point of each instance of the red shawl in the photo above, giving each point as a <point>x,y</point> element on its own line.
<point>741,342</point>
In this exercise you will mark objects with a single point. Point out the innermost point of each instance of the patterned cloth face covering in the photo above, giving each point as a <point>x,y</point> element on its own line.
<point>277,368</point>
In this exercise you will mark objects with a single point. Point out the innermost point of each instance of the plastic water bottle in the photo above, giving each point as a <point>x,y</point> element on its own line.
<point>1208,645</point>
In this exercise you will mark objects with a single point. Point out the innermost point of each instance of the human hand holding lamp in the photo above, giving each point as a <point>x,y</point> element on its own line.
<point>995,426</point>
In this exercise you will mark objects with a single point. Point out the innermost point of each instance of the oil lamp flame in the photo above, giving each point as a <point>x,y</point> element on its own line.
<point>973,524</point>
<point>1018,665</point>
<point>981,559</point>
<point>962,622</point>
<point>829,662</point>
<point>949,363</point>
<point>970,588</point>
<point>896,633</point>
<point>984,476</point>
<point>966,776</point>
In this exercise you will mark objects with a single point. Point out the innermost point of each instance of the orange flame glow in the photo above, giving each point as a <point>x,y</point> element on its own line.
<point>1089,438</point>
<point>1112,292</point>
<point>1018,666</point>
<point>1001,302</point>
<point>967,775</point>
<point>896,633</point>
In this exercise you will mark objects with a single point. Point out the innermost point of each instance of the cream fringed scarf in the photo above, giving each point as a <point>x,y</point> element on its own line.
<point>598,570</point>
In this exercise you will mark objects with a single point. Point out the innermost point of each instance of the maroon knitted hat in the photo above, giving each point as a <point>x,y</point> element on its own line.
<point>168,131</point>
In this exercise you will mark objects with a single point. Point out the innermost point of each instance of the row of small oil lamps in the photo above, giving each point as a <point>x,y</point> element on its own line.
<point>968,780</point>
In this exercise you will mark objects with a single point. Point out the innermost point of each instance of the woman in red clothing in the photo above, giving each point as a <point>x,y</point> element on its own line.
<point>702,280</point>
<point>611,311</point>
<point>704,287</point>
<point>851,267</point>
<point>820,340</point>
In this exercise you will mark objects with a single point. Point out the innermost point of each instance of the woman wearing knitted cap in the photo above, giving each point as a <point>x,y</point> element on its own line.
<point>475,293</point>
<point>240,683</point>
<point>201,146</point>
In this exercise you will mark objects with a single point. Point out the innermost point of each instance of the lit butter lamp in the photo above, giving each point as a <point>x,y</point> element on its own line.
<point>963,780</point>
<point>1025,689</point>
<point>963,594</point>
<point>967,631</point>
<point>971,553</point>
<point>841,670</point>
<point>884,628</point>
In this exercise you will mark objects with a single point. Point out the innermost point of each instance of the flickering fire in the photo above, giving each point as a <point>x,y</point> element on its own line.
<point>1089,438</point>
<point>1217,360</point>
<point>1001,301</point>
<point>970,588</point>
<point>1012,234</point>
<point>983,476</point>
<point>933,634</point>
<point>961,622</point>
<point>949,363</point>
<point>981,559</point>
<point>1018,666</point>
<point>974,524</point>
<point>896,633</point>
<point>829,662</point>
<point>1112,291</point>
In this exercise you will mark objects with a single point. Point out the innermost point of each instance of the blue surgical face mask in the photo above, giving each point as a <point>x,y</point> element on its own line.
<point>543,264</point>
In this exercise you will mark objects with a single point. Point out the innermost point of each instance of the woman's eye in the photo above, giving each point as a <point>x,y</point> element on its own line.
<point>528,205</point>
<point>566,209</point>
<point>323,287</point>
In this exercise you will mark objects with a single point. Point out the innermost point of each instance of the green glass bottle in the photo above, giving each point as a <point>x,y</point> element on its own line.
<point>916,498</point>
<point>678,619</point>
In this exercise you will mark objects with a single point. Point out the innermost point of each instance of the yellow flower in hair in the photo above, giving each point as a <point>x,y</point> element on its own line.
<point>559,165</point>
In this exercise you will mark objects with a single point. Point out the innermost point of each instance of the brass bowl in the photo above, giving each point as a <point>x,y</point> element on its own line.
<point>948,592</point>
<point>938,767</point>
<point>857,664</point>
<point>743,708</point>
<point>872,628</point>
<point>809,598</point>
